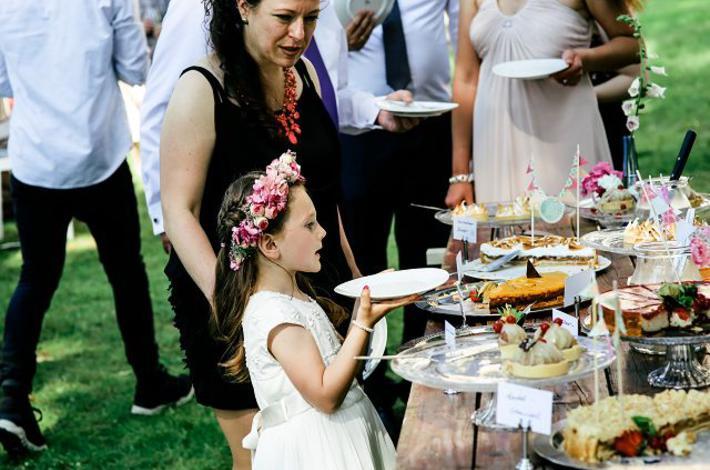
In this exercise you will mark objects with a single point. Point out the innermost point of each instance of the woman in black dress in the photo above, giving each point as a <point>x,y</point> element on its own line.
<point>234,112</point>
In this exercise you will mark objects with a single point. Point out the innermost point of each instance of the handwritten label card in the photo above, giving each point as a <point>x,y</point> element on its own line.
<point>517,404</point>
<point>575,284</point>
<point>569,322</point>
<point>450,335</point>
<point>465,229</point>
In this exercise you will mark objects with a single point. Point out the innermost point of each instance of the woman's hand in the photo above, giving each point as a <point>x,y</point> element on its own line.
<point>573,74</point>
<point>459,192</point>
<point>359,29</point>
<point>369,313</point>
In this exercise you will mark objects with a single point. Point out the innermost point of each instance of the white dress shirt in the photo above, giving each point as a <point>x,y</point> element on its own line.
<point>184,40</point>
<point>61,61</point>
<point>428,51</point>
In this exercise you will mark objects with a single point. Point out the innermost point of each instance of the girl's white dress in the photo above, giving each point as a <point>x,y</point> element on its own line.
<point>351,438</point>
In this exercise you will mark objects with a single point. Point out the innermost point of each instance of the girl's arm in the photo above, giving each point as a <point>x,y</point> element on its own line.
<point>465,84</point>
<point>296,350</point>
<point>186,145</point>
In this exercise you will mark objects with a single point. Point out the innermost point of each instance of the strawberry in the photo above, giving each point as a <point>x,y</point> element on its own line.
<point>544,327</point>
<point>473,295</point>
<point>510,319</point>
<point>557,321</point>
<point>629,443</point>
<point>498,326</point>
<point>682,313</point>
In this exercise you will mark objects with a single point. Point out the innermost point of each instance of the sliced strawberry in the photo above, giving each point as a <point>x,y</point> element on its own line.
<point>510,319</point>
<point>498,326</point>
<point>629,443</point>
<point>544,327</point>
<point>682,313</point>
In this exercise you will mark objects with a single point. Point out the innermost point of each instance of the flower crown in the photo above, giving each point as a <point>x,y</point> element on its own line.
<point>267,200</point>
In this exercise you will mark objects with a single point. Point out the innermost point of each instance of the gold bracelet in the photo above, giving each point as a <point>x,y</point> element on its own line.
<point>362,327</point>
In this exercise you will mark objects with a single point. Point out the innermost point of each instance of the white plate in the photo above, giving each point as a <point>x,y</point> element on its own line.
<point>395,284</point>
<point>376,347</point>
<point>511,272</point>
<point>530,69</point>
<point>416,108</point>
<point>346,10</point>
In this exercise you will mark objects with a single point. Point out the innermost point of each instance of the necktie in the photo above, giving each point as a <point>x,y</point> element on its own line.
<point>396,61</point>
<point>326,86</point>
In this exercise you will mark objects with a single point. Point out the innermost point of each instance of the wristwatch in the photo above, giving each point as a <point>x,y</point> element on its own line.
<point>462,178</point>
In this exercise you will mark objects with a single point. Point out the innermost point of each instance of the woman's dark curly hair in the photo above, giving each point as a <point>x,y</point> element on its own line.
<point>242,80</point>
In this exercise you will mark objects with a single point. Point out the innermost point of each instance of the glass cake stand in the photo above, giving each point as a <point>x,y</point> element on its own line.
<point>476,366</point>
<point>683,370</point>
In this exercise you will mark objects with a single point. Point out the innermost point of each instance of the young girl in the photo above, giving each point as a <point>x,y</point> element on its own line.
<point>313,413</point>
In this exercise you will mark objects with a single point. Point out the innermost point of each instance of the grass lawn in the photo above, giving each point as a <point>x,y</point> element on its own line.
<point>84,385</point>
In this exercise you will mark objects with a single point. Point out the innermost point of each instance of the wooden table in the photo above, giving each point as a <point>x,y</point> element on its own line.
<point>437,431</point>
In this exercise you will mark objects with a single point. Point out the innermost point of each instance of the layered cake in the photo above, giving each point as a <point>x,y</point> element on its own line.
<point>549,249</point>
<point>545,291</point>
<point>666,422</point>
<point>554,333</point>
<point>536,359</point>
<point>650,309</point>
<point>477,212</point>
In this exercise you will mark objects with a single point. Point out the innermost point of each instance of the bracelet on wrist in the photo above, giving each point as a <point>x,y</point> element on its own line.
<point>362,327</point>
<point>461,178</point>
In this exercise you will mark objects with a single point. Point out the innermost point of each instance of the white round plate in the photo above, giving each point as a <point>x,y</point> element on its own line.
<point>416,108</point>
<point>530,69</point>
<point>346,10</point>
<point>395,284</point>
<point>511,272</point>
<point>376,347</point>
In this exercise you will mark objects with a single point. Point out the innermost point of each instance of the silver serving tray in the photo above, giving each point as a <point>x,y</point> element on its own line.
<point>476,366</point>
<point>550,448</point>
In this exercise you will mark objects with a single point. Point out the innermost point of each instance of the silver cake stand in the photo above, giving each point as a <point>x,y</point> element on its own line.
<point>476,366</point>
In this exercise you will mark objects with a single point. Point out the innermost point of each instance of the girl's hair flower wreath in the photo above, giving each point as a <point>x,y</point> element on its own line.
<point>267,200</point>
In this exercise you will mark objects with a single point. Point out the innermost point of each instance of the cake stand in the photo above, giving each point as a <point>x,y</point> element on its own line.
<point>476,366</point>
<point>683,370</point>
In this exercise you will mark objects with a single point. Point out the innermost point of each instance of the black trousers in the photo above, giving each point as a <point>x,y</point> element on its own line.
<point>382,174</point>
<point>110,210</point>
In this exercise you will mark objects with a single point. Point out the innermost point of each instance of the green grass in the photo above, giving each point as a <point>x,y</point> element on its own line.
<point>84,385</point>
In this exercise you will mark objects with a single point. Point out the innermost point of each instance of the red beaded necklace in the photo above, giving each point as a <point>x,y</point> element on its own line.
<point>288,116</point>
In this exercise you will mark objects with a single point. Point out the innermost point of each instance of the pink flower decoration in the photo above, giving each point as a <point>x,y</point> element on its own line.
<point>700,252</point>
<point>589,182</point>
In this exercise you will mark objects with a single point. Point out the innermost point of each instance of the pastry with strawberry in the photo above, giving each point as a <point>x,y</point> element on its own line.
<point>554,333</point>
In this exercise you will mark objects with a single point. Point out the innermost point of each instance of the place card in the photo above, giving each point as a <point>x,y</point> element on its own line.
<point>450,335</point>
<point>518,405</point>
<point>569,322</point>
<point>660,206</point>
<point>576,283</point>
<point>459,266</point>
<point>465,229</point>
<point>683,231</point>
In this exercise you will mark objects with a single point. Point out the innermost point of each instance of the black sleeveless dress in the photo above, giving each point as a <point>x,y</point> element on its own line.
<point>241,147</point>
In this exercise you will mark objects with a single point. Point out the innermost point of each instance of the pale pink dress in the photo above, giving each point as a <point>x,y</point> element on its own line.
<point>516,118</point>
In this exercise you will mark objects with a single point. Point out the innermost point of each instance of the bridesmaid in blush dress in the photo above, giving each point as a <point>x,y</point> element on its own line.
<point>505,121</point>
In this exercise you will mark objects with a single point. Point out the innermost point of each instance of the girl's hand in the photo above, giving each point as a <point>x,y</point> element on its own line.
<point>369,313</point>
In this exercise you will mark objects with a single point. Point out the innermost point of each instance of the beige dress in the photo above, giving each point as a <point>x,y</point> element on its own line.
<point>516,118</point>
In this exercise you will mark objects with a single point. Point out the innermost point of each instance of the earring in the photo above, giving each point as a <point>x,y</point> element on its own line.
<point>245,21</point>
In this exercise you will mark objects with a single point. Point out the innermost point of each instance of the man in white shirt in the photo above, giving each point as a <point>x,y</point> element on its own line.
<point>382,173</point>
<point>68,143</point>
